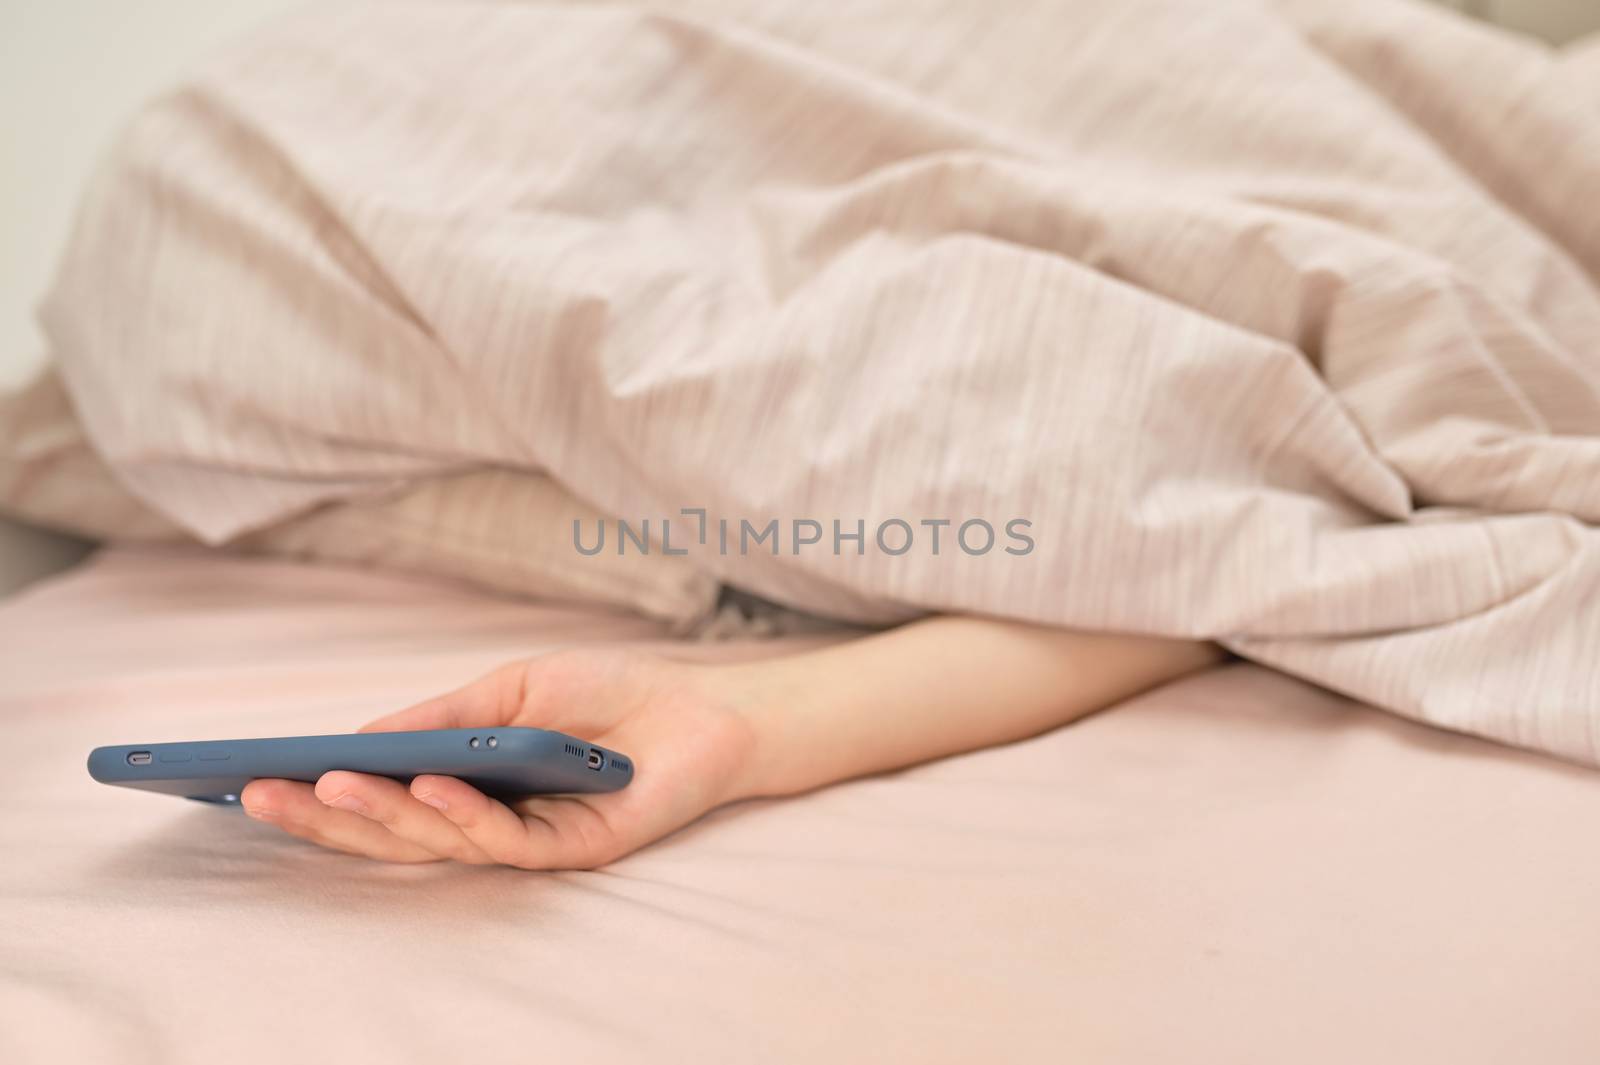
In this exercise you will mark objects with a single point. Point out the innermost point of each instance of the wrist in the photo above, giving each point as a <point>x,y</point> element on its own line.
<point>769,702</point>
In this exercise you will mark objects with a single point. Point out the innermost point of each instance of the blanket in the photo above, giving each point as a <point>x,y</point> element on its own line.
<point>1275,323</point>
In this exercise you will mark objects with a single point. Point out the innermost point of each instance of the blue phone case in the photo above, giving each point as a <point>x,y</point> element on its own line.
<point>504,762</point>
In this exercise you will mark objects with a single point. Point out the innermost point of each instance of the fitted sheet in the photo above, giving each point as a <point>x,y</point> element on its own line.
<point>1237,867</point>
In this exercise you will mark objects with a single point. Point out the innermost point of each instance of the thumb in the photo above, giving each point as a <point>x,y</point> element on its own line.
<point>492,699</point>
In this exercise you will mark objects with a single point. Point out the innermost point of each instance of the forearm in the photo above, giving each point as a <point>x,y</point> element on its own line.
<point>702,735</point>
<point>933,688</point>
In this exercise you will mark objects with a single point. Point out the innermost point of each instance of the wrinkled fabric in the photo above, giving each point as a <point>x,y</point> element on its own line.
<point>1279,322</point>
<point>501,529</point>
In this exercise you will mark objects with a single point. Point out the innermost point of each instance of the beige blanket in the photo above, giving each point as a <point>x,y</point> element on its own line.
<point>1278,322</point>
<point>1236,869</point>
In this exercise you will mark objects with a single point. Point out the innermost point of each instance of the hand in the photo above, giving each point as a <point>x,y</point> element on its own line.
<point>681,723</point>
<point>702,735</point>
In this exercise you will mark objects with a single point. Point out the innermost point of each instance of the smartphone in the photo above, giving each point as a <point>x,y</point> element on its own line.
<point>507,763</point>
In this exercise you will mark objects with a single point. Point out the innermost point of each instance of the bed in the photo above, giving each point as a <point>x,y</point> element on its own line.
<point>304,317</point>
<point>1238,867</point>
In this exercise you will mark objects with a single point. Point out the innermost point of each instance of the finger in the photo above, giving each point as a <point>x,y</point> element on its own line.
<point>388,803</point>
<point>294,807</point>
<point>553,834</point>
<point>489,700</point>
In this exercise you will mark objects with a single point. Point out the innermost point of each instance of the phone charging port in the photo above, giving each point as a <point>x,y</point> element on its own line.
<point>140,758</point>
<point>596,760</point>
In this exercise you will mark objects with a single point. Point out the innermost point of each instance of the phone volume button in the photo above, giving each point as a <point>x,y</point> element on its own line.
<point>213,756</point>
<point>176,756</point>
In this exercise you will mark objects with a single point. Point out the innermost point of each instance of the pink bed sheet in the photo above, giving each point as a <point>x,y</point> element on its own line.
<point>1235,868</point>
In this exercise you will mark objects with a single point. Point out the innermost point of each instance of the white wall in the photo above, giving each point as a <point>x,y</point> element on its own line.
<point>70,72</point>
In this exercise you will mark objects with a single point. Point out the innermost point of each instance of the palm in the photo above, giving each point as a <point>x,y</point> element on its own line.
<point>687,740</point>
<point>686,745</point>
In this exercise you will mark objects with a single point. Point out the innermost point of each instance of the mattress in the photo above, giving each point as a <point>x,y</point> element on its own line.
<point>1237,867</point>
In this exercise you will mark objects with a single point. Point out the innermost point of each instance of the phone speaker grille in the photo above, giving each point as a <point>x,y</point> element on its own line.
<point>570,749</point>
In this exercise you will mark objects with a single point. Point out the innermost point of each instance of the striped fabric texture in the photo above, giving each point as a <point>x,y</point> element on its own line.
<point>1275,323</point>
